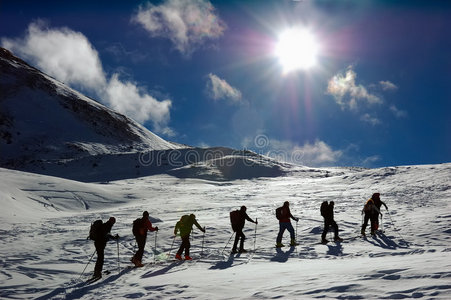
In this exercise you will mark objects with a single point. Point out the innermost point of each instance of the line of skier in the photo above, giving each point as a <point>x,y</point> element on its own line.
<point>100,232</point>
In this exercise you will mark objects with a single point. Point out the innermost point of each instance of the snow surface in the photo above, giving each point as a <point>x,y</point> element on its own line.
<point>45,220</point>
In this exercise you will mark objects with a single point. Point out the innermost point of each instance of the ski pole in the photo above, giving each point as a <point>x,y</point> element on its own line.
<point>203,238</point>
<point>118,263</point>
<point>87,263</point>
<point>155,248</point>
<point>227,243</point>
<point>255,233</point>
<point>296,231</point>
<point>169,254</point>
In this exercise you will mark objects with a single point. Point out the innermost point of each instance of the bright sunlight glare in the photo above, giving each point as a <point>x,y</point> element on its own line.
<point>296,49</point>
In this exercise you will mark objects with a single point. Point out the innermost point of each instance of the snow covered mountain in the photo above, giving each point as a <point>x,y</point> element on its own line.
<point>49,128</point>
<point>42,118</point>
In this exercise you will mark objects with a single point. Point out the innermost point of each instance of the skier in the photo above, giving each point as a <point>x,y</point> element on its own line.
<point>238,218</point>
<point>371,209</point>
<point>140,228</point>
<point>185,225</point>
<point>283,214</point>
<point>327,211</point>
<point>100,243</point>
<point>378,202</point>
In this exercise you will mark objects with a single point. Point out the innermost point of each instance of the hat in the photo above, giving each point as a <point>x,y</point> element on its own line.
<point>146,214</point>
<point>243,208</point>
<point>112,220</point>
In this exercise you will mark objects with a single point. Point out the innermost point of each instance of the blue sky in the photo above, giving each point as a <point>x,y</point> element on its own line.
<point>376,91</point>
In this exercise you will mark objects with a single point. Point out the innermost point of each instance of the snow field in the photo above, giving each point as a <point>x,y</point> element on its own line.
<point>44,247</point>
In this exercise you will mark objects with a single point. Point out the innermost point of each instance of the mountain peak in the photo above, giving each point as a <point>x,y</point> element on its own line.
<point>42,119</point>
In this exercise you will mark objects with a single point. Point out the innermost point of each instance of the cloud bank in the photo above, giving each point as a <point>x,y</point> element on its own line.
<point>218,89</point>
<point>186,23</point>
<point>69,57</point>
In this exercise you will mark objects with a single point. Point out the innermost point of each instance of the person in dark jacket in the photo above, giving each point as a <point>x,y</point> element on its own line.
<point>141,236</point>
<point>284,223</point>
<point>185,225</point>
<point>100,245</point>
<point>238,228</point>
<point>328,215</point>
<point>372,210</point>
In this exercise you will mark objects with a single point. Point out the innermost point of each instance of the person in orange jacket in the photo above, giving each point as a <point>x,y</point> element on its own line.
<point>140,228</point>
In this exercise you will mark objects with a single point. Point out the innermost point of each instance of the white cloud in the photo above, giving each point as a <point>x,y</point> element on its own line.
<point>187,23</point>
<point>64,54</point>
<point>347,93</point>
<point>369,119</point>
<point>69,57</point>
<point>218,88</point>
<point>388,86</point>
<point>397,112</point>
<point>127,98</point>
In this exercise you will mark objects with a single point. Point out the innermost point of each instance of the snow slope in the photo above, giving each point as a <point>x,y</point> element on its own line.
<point>45,220</point>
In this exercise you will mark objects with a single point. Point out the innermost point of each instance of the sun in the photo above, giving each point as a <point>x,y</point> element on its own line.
<point>296,49</point>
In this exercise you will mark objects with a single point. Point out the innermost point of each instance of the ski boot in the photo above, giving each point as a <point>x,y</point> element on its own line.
<point>293,243</point>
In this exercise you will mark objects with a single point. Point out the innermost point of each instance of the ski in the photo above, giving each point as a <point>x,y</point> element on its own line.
<point>92,280</point>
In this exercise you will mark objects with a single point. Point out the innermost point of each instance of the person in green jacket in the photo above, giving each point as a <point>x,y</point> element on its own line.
<point>185,225</point>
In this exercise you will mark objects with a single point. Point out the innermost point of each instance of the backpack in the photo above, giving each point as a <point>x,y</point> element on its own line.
<point>323,208</point>
<point>279,213</point>
<point>95,232</point>
<point>234,219</point>
<point>137,224</point>
<point>369,206</point>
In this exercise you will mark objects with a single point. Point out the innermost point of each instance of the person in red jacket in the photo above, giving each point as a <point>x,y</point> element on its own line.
<point>141,235</point>
<point>284,223</point>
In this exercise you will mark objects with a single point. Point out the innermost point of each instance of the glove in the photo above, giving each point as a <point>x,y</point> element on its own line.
<point>116,237</point>
<point>203,230</point>
<point>156,228</point>
<point>297,219</point>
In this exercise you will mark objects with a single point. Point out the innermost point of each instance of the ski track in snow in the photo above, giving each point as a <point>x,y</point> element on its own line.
<point>45,221</point>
